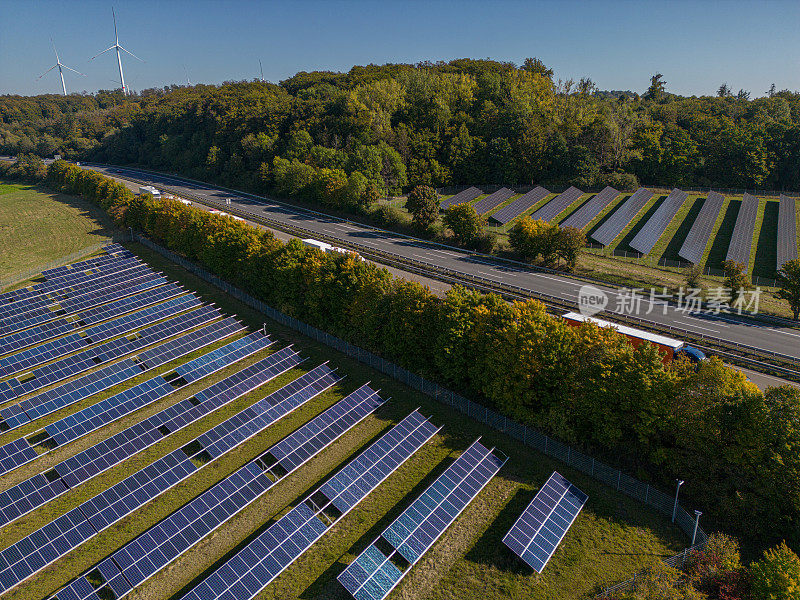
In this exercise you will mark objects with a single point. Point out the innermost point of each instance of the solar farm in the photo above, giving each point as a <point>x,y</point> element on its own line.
<point>157,440</point>
<point>675,228</point>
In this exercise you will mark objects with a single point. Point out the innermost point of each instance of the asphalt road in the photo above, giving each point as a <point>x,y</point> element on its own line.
<point>771,338</point>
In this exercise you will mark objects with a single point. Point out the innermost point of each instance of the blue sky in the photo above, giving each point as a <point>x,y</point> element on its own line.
<point>697,45</point>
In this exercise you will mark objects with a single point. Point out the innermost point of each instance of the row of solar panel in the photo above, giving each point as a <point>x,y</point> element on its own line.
<point>46,331</point>
<point>104,412</point>
<point>56,348</point>
<point>89,263</point>
<point>144,556</point>
<point>106,352</point>
<point>72,280</point>
<point>787,231</point>
<point>38,490</point>
<point>87,385</point>
<point>373,575</point>
<point>74,294</point>
<point>120,500</point>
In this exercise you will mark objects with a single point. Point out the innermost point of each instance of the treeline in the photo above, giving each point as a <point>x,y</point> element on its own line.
<point>737,449</point>
<point>328,137</point>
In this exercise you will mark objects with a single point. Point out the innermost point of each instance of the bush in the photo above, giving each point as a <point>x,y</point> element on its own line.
<point>777,575</point>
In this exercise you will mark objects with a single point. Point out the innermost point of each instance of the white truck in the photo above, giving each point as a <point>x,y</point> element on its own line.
<point>149,189</point>
<point>329,248</point>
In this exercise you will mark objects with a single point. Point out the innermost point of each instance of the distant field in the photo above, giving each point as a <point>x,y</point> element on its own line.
<point>613,537</point>
<point>37,228</point>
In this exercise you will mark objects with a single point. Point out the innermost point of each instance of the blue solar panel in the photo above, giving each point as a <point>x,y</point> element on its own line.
<point>118,501</point>
<point>141,318</point>
<point>267,556</point>
<point>697,239</point>
<point>557,205</point>
<point>467,195</point>
<point>610,229</point>
<point>35,335</point>
<point>372,575</point>
<point>120,307</point>
<point>77,469</point>
<point>656,225</point>
<point>544,523</point>
<point>520,205</point>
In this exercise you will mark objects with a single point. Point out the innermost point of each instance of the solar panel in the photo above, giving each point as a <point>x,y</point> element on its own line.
<point>613,226</point>
<point>126,305</point>
<point>742,236</point>
<point>75,280</point>
<point>519,206</point>
<point>32,493</point>
<point>494,200</point>
<point>467,195</point>
<point>557,205</point>
<point>146,316</point>
<point>68,298</point>
<point>115,503</point>
<point>251,569</point>
<point>787,230</point>
<point>584,215</point>
<point>35,335</point>
<point>373,575</point>
<point>544,523</point>
<point>697,239</point>
<point>144,556</point>
<point>656,225</point>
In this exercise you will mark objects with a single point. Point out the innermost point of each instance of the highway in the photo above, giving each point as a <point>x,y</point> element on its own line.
<point>777,339</point>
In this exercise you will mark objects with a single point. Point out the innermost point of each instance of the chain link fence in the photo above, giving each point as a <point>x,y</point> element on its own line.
<point>30,273</point>
<point>522,188</point>
<point>643,492</point>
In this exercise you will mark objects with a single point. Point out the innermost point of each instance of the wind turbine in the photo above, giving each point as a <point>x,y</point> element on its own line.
<point>262,70</point>
<point>61,68</point>
<point>189,83</point>
<point>117,47</point>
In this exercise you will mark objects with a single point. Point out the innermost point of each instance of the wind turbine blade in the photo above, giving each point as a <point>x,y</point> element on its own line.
<point>113,14</point>
<point>46,72</point>
<point>131,53</point>
<point>54,49</point>
<point>73,70</point>
<point>103,52</point>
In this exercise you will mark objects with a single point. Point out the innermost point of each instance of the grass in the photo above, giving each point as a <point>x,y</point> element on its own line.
<point>763,262</point>
<point>675,234</point>
<point>622,241</point>
<point>38,227</point>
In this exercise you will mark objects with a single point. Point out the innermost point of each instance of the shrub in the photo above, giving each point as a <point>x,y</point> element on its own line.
<point>777,575</point>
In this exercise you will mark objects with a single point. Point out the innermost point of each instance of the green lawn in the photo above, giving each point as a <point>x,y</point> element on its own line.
<point>37,228</point>
<point>613,537</point>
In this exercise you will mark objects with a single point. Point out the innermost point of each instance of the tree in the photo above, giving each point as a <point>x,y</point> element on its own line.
<point>465,223</point>
<point>531,239</point>
<point>657,88</point>
<point>535,65</point>
<point>569,243</point>
<point>692,275</point>
<point>789,282</point>
<point>423,204</point>
<point>735,278</point>
<point>724,91</point>
<point>777,575</point>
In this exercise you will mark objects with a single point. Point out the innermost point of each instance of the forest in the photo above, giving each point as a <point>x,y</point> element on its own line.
<point>345,139</point>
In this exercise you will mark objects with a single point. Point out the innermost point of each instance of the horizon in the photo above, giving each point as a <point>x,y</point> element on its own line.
<point>613,43</point>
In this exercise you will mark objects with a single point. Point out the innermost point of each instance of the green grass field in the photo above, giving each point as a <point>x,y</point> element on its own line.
<point>613,537</point>
<point>37,228</point>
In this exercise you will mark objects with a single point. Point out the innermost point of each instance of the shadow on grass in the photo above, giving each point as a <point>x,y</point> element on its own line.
<point>721,242</point>
<point>671,251</point>
<point>608,215</point>
<point>87,210</point>
<point>625,242</point>
<point>765,264</point>
<point>576,208</point>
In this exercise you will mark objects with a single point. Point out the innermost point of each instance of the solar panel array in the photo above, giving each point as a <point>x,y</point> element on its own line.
<point>519,206</point>
<point>35,335</point>
<point>656,225</point>
<point>467,195</point>
<point>126,305</point>
<point>106,411</point>
<point>697,239</point>
<point>611,228</point>
<point>584,215</point>
<point>76,470</point>
<point>494,200</point>
<point>117,252</point>
<point>20,315</point>
<point>373,575</point>
<point>557,205</point>
<point>742,236</point>
<point>106,352</point>
<point>141,558</point>
<point>268,555</point>
<point>123,498</point>
<point>787,230</point>
<point>544,523</point>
